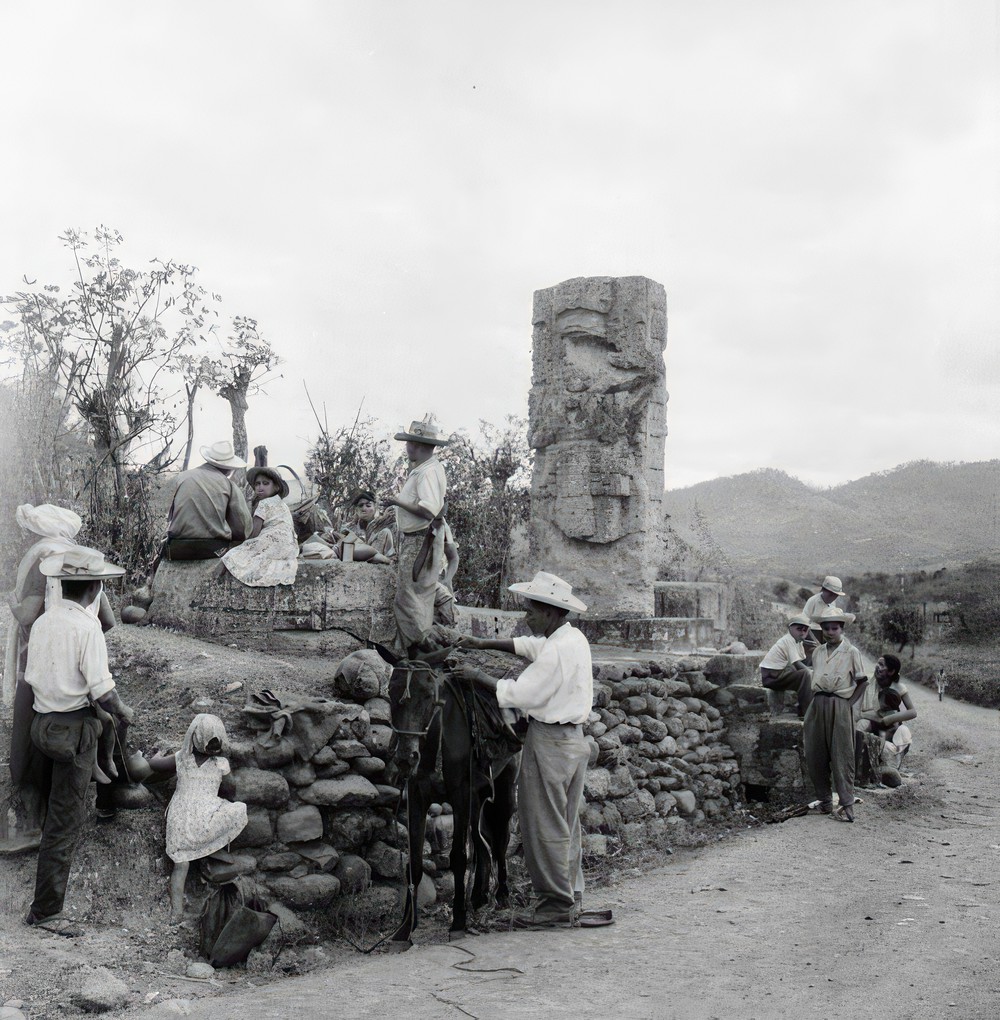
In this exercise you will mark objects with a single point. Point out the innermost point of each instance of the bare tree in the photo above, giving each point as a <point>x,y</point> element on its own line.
<point>245,363</point>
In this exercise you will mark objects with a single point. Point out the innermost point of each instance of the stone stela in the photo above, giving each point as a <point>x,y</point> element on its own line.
<point>597,423</point>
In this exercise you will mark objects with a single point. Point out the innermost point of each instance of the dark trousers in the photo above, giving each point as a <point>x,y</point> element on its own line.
<point>68,742</point>
<point>828,740</point>
<point>195,548</point>
<point>791,679</point>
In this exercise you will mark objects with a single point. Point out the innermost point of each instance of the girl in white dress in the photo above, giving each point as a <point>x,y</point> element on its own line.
<point>270,555</point>
<point>199,821</point>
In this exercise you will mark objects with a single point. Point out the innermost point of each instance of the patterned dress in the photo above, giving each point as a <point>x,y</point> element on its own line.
<point>199,821</point>
<point>272,557</point>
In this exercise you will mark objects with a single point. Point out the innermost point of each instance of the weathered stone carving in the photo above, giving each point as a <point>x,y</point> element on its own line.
<point>597,424</point>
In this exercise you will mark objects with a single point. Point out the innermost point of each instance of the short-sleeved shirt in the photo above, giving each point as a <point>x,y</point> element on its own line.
<point>815,607</point>
<point>67,659</point>
<point>425,485</point>
<point>558,684</point>
<point>202,499</point>
<point>782,653</point>
<point>837,669</point>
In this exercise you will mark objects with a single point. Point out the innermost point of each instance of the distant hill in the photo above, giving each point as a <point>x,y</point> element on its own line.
<point>917,515</point>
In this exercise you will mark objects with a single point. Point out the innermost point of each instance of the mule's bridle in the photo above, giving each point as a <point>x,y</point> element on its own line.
<point>411,667</point>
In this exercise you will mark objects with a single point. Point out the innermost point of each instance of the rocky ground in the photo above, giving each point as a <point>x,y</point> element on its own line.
<point>896,914</point>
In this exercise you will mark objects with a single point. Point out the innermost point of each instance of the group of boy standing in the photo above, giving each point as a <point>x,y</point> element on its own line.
<point>834,698</point>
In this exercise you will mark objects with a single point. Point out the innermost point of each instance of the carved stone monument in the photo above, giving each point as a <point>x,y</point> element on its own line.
<point>597,422</point>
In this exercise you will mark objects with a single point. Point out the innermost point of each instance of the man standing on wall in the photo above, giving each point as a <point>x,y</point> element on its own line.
<point>419,523</point>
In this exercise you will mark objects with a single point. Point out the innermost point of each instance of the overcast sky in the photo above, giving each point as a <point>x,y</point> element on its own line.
<point>384,185</point>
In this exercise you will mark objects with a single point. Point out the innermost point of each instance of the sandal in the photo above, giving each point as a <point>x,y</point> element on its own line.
<point>57,925</point>
<point>842,814</point>
<point>818,807</point>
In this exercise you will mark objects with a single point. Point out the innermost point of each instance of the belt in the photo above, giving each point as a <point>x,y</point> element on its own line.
<point>538,722</point>
<point>827,694</point>
<point>76,713</point>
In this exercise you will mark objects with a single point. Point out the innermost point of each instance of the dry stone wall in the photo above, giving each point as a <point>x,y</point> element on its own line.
<point>322,831</point>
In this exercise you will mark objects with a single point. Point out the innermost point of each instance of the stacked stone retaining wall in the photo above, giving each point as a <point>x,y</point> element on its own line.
<point>323,832</point>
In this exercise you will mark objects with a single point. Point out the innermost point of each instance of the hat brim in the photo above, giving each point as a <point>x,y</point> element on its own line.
<point>409,437</point>
<point>847,618</point>
<point>528,591</point>
<point>233,462</point>
<point>253,472</point>
<point>108,570</point>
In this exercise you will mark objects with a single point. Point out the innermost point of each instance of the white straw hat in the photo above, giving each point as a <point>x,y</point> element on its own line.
<point>222,455</point>
<point>81,563</point>
<point>427,431</point>
<point>833,584</point>
<point>551,590</point>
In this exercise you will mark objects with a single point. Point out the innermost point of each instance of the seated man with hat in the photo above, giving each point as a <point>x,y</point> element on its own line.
<point>830,590</point>
<point>68,672</point>
<point>420,526</point>
<point>556,692</point>
<point>785,667</point>
<point>208,512</point>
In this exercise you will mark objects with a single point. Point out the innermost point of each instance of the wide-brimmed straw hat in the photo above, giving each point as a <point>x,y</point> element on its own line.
<point>834,616</point>
<point>551,590</point>
<point>222,455</point>
<point>427,431</point>
<point>799,618</point>
<point>254,472</point>
<point>831,583</point>
<point>81,563</point>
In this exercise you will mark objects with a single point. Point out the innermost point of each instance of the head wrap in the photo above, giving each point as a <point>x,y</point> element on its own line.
<point>202,729</point>
<point>48,521</point>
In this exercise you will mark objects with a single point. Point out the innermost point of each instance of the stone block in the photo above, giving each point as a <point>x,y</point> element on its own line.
<point>299,773</point>
<point>354,872</point>
<point>378,710</point>
<point>261,787</point>
<point>283,861</point>
<point>368,767</point>
<point>302,824</point>
<point>597,784</point>
<point>311,892</point>
<point>346,791</point>
<point>326,594</point>
<point>353,829</point>
<point>97,990</point>
<point>258,831</point>
<point>379,740</point>
<point>724,670</point>
<point>686,803</point>
<point>386,861</point>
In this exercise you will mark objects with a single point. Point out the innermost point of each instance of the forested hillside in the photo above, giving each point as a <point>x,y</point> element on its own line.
<point>917,515</point>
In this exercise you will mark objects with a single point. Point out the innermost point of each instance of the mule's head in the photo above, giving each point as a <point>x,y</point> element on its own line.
<point>414,693</point>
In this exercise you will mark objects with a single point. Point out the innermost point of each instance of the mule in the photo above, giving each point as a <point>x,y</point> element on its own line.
<point>429,717</point>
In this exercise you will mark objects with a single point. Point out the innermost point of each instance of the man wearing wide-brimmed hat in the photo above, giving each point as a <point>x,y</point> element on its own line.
<point>839,683</point>
<point>556,693</point>
<point>785,667</point>
<point>816,605</point>
<point>420,526</point>
<point>209,512</point>
<point>68,672</point>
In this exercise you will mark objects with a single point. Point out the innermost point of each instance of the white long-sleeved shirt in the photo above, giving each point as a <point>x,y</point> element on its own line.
<point>67,659</point>
<point>557,686</point>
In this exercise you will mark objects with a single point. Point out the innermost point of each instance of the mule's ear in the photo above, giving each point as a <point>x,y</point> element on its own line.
<point>384,653</point>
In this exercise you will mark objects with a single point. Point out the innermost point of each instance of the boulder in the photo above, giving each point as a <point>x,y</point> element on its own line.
<point>261,787</point>
<point>354,872</point>
<point>353,829</point>
<point>378,710</point>
<point>300,825</point>
<point>686,803</point>
<point>283,861</point>
<point>386,861</point>
<point>299,773</point>
<point>346,791</point>
<point>597,784</point>
<point>307,893</point>
<point>98,990</point>
<point>258,831</point>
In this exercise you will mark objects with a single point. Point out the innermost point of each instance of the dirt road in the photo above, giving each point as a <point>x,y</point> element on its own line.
<point>895,916</point>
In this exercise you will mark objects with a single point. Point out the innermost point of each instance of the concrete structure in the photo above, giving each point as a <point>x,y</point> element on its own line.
<point>597,414</point>
<point>696,599</point>
<point>327,595</point>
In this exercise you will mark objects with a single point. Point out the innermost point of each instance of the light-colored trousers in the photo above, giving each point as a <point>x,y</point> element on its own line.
<point>414,603</point>
<point>828,738</point>
<point>549,797</point>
